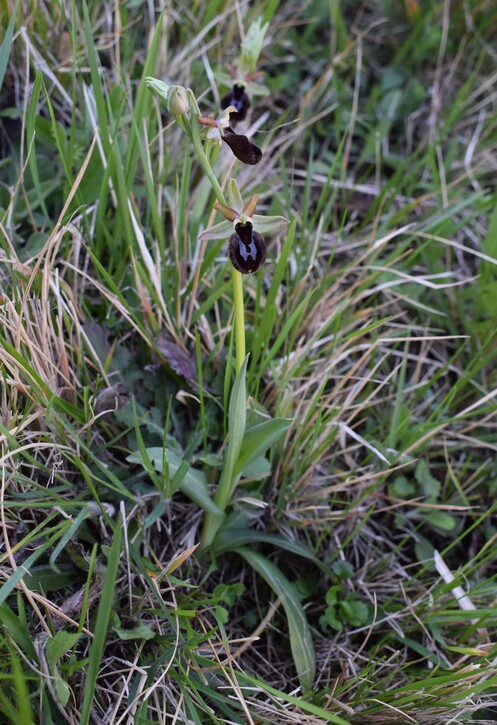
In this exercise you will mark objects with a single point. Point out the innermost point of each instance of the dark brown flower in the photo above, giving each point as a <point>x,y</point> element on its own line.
<point>247,249</point>
<point>238,98</point>
<point>242,147</point>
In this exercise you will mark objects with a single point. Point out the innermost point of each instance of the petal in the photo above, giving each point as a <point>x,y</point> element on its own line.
<point>249,207</point>
<point>213,133</point>
<point>223,121</point>
<point>218,231</point>
<point>267,224</point>
<point>234,196</point>
<point>227,212</point>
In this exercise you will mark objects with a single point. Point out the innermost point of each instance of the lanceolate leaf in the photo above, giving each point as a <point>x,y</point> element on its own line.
<point>301,642</point>
<point>193,484</point>
<point>232,537</point>
<point>237,417</point>
<point>258,439</point>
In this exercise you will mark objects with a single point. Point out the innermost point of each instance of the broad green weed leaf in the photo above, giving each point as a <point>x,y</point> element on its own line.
<point>62,689</point>
<point>58,645</point>
<point>139,631</point>
<point>442,520</point>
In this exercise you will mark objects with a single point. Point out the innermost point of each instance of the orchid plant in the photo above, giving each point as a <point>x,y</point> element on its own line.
<point>226,529</point>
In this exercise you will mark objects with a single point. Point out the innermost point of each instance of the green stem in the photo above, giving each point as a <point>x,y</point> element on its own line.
<point>239,318</point>
<point>204,163</point>
<point>237,420</point>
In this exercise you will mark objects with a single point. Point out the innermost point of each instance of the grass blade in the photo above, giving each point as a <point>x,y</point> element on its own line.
<point>297,701</point>
<point>7,45</point>
<point>101,624</point>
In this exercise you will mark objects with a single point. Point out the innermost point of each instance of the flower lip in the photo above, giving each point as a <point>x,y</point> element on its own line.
<point>247,248</point>
<point>219,128</point>
<point>244,229</point>
<point>242,147</point>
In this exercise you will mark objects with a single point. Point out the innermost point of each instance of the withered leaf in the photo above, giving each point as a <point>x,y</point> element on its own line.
<point>179,360</point>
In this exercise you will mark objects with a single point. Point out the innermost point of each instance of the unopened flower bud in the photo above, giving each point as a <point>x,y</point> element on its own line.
<point>159,88</point>
<point>177,101</point>
<point>251,47</point>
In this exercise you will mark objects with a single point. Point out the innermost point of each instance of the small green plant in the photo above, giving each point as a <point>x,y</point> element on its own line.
<point>426,489</point>
<point>343,608</point>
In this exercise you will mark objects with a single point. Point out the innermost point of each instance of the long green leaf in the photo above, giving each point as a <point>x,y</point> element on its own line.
<point>30,134</point>
<point>301,642</point>
<point>24,715</point>
<point>69,535</point>
<point>17,628</point>
<point>142,102</point>
<point>232,537</point>
<point>237,418</point>
<point>21,571</point>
